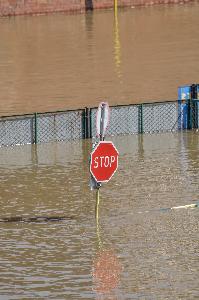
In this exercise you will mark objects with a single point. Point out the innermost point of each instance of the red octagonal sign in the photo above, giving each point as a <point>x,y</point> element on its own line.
<point>104,161</point>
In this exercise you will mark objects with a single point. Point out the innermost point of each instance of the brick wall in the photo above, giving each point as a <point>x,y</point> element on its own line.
<point>22,7</point>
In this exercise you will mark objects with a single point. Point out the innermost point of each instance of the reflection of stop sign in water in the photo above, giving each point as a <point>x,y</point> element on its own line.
<point>104,161</point>
<point>106,271</point>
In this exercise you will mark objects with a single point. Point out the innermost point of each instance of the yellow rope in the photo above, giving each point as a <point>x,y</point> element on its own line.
<point>97,205</point>
<point>97,219</point>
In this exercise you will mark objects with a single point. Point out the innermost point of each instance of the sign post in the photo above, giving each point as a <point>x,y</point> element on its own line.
<point>104,156</point>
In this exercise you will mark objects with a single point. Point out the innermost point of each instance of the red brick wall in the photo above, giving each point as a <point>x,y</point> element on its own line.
<point>21,7</point>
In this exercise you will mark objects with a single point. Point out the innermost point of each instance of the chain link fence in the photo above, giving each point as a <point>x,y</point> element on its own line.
<point>40,128</point>
<point>61,126</point>
<point>124,120</point>
<point>143,118</point>
<point>160,117</point>
<point>78,124</point>
<point>16,130</point>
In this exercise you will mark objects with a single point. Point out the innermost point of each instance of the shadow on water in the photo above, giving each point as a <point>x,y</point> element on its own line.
<point>89,5</point>
<point>89,33</point>
<point>35,219</point>
<point>140,147</point>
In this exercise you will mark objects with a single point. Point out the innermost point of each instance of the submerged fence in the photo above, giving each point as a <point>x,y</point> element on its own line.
<point>80,124</point>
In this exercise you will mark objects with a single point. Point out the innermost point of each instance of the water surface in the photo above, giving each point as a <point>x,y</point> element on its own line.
<point>135,251</point>
<point>56,62</point>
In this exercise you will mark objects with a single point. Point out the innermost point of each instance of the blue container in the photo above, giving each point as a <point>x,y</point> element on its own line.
<point>184,96</point>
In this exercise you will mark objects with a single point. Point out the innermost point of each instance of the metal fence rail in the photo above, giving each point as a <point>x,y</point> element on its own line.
<point>78,124</point>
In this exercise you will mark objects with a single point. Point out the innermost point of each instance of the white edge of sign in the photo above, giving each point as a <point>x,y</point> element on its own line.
<point>104,142</point>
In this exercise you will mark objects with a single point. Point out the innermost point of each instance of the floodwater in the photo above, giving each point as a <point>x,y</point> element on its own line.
<point>59,62</point>
<point>136,250</point>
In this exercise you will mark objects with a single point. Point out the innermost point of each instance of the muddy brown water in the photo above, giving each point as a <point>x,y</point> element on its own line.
<point>135,251</point>
<point>58,62</point>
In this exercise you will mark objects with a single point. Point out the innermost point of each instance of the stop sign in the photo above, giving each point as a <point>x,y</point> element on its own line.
<point>104,161</point>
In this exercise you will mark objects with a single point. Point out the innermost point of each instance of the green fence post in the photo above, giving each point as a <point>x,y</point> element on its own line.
<point>194,105</point>
<point>90,123</point>
<point>140,118</point>
<point>87,130</point>
<point>194,111</point>
<point>35,131</point>
<point>84,123</point>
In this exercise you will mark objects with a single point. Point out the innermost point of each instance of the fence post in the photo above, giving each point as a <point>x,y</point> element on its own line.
<point>35,128</point>
<point>194,105</point>
<point>196,113</point>
<point>90,123</point>
<point>83,123</point>
<point>194,110</point>
<point>140,118</point>
<point>86,123</point>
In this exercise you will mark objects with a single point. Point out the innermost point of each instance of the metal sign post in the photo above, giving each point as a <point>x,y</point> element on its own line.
<point>102,121</point>
<point>104,155</point>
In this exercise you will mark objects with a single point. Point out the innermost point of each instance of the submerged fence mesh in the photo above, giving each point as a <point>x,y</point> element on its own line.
<point>125,119</point>
<point>16,130</point>
<point>142,118</point>
<point>59,126</point>
<point>39,128</point>
<point>160,117</point>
